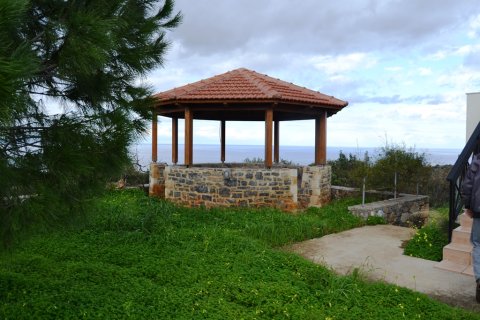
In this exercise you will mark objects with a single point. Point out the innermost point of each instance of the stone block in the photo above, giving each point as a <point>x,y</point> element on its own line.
<point>201,188</point>
<point>224,192</point>
<point>206,197</point>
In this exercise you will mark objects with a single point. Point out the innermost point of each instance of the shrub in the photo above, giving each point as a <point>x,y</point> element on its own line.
<point>428,242</point>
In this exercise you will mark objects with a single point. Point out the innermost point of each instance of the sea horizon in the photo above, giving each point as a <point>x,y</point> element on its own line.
<point>302,155</point>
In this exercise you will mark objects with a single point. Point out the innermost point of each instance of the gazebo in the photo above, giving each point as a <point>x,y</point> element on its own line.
<point>238,95</point>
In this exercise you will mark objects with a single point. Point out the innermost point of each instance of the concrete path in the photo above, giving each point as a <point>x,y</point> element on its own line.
<point>377,252</point>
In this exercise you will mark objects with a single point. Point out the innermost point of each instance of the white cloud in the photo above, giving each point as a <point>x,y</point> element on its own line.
<point>474,27</point>
<point>332,65</point>
<point>424,71</point>
<point>393,69</point>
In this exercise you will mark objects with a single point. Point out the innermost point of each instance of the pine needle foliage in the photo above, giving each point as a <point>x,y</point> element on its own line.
<point>70,100</point>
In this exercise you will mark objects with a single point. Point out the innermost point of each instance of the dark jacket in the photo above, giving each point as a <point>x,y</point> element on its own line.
<point>470,189</point>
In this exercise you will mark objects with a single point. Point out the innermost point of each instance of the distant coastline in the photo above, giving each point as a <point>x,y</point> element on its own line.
<point>303,155</point>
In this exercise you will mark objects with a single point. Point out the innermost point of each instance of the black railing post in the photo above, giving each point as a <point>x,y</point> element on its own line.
<point>451,212</point>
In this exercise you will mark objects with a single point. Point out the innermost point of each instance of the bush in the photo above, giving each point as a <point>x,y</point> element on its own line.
<point>428,242</point>
<point>413,172</point>
<point>349,171</point>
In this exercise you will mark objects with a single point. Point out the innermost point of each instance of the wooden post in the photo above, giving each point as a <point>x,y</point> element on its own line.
<point>188,136</point>
<point>174,140</point>
<point>222,141</point>
<point>321,139</point>
<point>268,137</point>
<point>154,137</point>
<point>276,141</point>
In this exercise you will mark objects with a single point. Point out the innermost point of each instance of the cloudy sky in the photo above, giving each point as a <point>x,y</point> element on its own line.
<point>403,66</point>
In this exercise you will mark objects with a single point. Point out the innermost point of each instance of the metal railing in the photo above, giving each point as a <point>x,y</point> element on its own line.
<point>456,176</point>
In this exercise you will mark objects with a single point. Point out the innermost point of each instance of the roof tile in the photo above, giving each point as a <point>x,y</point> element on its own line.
<point>244,84</point>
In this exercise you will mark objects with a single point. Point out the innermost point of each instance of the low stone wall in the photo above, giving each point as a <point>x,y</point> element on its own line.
<point>406,210</point>
<point>239,185</point>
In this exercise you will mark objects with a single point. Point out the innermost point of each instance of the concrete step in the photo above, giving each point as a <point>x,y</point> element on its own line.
<point>465,221</point>
<point>461,235</point>
<point>452,266</point>
<point>458,253</point>
<point>468,271</point>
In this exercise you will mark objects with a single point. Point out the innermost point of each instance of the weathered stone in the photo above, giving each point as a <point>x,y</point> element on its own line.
<point>201,188</point>
<point>224,192</point>
<point>206,197</point>
<point>192,175</point>
<point>278,187</point>
<point>397,211</point>
<point>230,182</point>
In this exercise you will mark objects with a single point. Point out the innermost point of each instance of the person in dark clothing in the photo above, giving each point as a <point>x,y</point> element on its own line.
<point>470,191</point>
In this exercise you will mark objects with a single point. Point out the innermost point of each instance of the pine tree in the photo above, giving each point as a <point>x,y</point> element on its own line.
<point>70,99</point>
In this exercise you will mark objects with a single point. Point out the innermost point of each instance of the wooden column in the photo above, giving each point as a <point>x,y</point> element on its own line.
<point>276,141</point>
<point>321,139</point>
<point>222,141</point>
<point>154,137</point>
<point>268,137</point>
<point>174,140</point>
<point>188,136</point>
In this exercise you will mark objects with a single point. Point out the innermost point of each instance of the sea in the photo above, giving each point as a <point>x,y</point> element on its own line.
<point>302,155</point>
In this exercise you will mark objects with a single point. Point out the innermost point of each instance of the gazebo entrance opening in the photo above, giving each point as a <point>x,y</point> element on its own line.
<point>242,95</point>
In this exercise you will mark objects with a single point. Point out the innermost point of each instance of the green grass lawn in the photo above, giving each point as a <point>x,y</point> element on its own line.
<point>139,258</point>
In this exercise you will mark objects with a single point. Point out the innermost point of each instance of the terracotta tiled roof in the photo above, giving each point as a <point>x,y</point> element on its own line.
<point>248,86</point>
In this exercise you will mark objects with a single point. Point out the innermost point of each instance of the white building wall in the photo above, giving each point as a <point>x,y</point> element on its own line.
<point>473,112</point>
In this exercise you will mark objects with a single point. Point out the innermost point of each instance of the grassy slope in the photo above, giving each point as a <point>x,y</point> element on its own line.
<point>141,258</point>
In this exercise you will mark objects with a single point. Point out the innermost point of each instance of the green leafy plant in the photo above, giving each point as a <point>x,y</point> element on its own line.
<point>428,241</point>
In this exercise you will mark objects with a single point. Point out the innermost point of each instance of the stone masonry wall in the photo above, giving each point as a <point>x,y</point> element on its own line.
<point>233,185</point>
<point>244,187</point>
<point>406,210</point>
<point>314,186</point>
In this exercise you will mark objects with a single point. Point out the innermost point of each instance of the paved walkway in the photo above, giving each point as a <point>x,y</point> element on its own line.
<point>377,252</point>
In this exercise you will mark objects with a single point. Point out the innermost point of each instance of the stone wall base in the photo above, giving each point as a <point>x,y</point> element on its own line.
<point>245,186</point>
<point>406,210</point>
